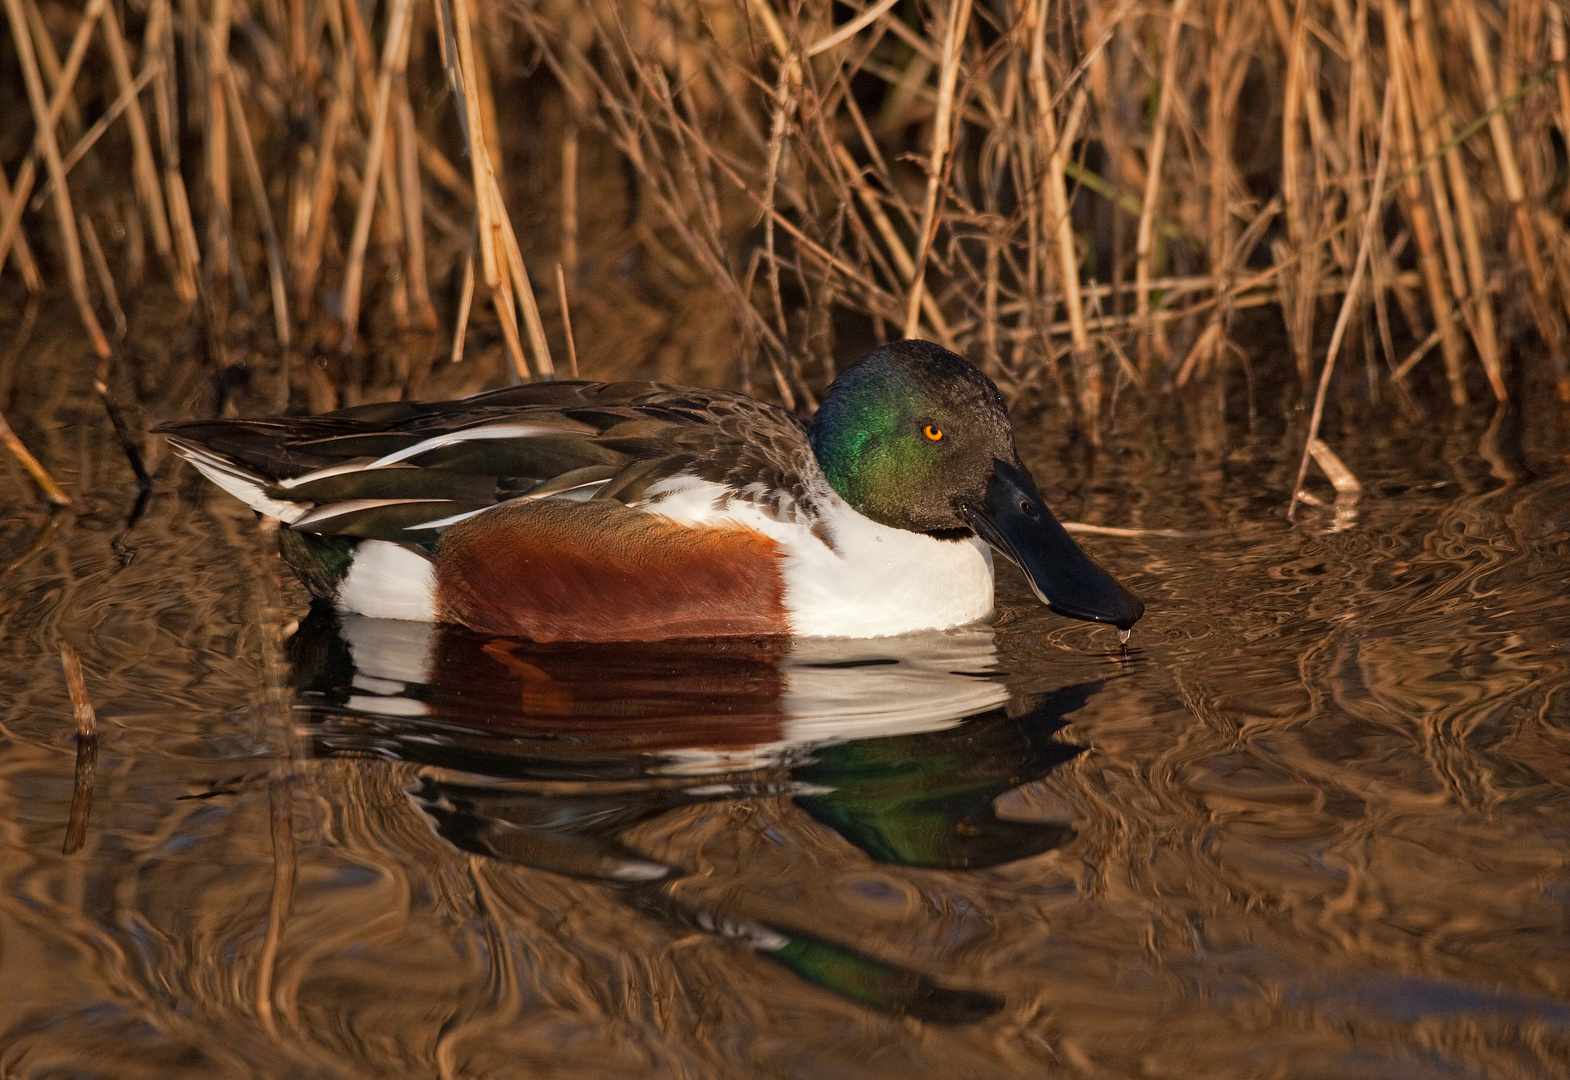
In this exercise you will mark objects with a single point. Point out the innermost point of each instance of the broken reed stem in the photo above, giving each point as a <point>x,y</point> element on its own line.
<point>86,752</point>
<point>1348,302</point>
<point>64,214</point>
<point>76,685</point>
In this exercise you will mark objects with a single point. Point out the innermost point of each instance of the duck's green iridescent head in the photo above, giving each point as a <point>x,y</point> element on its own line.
<point>916,438</point>
<point>907,431</point>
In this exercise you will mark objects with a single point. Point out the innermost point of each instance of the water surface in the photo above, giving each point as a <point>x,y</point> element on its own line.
<point>1313,822</point>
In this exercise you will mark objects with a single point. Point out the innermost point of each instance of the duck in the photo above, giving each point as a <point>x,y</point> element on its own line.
<point>638,511</point>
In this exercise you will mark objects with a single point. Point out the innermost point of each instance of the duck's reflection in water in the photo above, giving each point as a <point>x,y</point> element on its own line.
<point>546,755</point>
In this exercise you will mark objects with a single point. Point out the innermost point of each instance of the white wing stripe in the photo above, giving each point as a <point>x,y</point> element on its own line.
<point>483,431</point>
<point>350,506</point>
<point>332,470</point>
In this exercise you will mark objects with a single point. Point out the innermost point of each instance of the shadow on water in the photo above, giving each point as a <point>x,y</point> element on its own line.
<point>545,756</point>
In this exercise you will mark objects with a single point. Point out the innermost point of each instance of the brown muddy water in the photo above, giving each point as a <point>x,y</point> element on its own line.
<point>1314,823</point>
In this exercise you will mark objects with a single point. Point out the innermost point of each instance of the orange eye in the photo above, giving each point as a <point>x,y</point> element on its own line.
<point>933,432</point>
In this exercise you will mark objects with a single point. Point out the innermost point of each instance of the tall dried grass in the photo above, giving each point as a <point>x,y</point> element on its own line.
<point>1083,196</point>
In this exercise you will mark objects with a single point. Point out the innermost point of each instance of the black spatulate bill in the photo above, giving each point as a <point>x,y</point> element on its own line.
<point>1014,519</point>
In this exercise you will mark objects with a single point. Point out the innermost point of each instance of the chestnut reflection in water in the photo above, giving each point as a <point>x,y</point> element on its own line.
<point>545,756</point>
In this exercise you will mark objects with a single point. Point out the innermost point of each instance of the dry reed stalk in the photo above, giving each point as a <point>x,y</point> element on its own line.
<point>979,250</point>
<point>24,457</point>
<point>144,171</point>
<point>158,44</point>
<point>1423,348</point>
<point>95,254</point>
<point>64,213</point>
<point>443,171</point>
<point>1504,147</point>
<point>54,72</point>
<point>1559,53</point>
<point>938,161</point>
<point>1514,189</point>
<point>1224,72</point>
<point>1299,97</point>
<point>397,29</point>
<point>216,137</point>
<point>389,223</point>
<point>891,240</point>
<point>21,253</point>
<point>303,71</point>
<point>787,86</point>
<point>1402,86</point>
<point>1144,244</point>
<point>569,199</point>
<point>91,136</point>
<point>566,320</point>
<point>518,273</point>
<point>409,187</point>
<point>1433,116</point>
<point>1349,301</point>
<point>465,301</point>
<point>462,75</point>
<point>1057,225</point>
<point>325,186</point>
<point>414,218</point>
<point>490,126</point>
<point>263,210</point>
<point>27,173</point>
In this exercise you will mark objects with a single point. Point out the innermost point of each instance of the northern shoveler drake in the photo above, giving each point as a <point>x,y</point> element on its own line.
<point>583,511</point>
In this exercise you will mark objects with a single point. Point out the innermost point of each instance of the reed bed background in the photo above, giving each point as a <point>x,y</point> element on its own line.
<point>1086,197</point>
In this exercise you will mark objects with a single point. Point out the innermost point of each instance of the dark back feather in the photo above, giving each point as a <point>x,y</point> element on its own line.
<point>577,439</point>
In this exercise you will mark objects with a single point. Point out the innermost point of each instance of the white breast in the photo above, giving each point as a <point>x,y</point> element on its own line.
<point>869,581</point>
